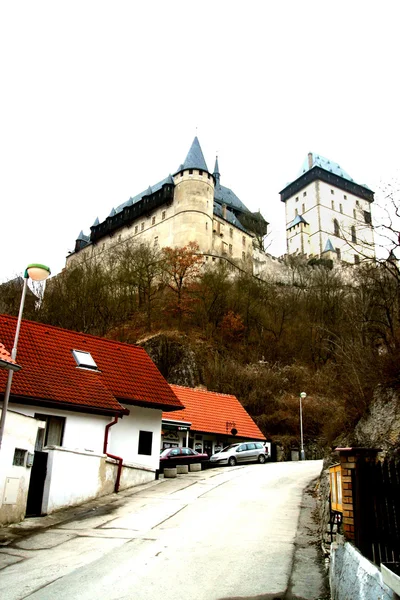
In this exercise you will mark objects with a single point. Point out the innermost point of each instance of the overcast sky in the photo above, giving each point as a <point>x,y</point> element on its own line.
<point>99,100</point>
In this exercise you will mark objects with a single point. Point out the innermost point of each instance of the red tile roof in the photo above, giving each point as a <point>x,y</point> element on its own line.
<point>210,412</point>
<point>6,362</point>
<point>50,373</point>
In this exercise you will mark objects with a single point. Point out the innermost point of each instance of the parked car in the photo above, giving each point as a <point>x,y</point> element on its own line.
<point>172,457</point>
<point>240,453</point>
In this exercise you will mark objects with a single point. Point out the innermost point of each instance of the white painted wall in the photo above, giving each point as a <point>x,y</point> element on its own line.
<point>124,436</point>
<point>82,431</point>
<point>20,432</point>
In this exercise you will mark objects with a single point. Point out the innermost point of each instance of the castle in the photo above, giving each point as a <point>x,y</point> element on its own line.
<point>327,216</point>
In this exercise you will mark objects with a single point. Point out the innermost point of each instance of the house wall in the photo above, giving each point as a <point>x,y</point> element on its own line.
<point>124,436</point>
<point>82,431</point>
<point>75,477</point>
<point>20,432</point>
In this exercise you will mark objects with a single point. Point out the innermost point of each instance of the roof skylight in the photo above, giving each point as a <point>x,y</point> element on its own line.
<point>84,359</point>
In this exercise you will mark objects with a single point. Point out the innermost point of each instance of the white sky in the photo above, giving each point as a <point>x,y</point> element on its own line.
<point>101,99</point>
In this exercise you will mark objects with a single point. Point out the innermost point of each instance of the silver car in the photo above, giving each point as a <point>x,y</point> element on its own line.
<point>240,453</point>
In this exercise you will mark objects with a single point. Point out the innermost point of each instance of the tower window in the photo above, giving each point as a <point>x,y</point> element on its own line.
<point>344,196</point>
<point>231,232</point>
<point>230,249</point>
<point>354,213</point>
<point>332,191</point>
<point>353,235</point>
<point>304,194</point>
<point>243,255</point>
<point>136,228</point>
<point>206,225</point>
<point>356,259</point>
<point>303,208</point>
<point>142,226</point>
<point>200,172</point>
<point>296,212</point>
<point>181,173</point>
<point>341,208</point>
<point>367,217</point>
<point>336,228</point>
<point>190,171</point>
<point>153,220</point>
<point>243,240</point>
<point>297,198</point>
<point>357,203</point>
<point>163,215</point>
<point>338,253</point>
<point>333,204</point>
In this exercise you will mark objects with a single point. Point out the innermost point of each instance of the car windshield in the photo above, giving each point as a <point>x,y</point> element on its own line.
<point>165,452</point>
<point>229,447</point>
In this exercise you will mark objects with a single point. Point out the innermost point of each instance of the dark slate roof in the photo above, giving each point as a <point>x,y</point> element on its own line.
<point>216,167</point>
<point>230,217</point>
<point>195,158</point>
<point>296,221</point>
<point>224,195</point>
<point>324,163</point>
<point>153,188</point>
<point>83,237</point>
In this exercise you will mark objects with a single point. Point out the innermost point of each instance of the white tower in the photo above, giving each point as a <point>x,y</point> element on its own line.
<point>327,211</point>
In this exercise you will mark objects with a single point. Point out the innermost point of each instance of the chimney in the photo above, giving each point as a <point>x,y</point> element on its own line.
<point>310,160</point>
<point>224,211</point>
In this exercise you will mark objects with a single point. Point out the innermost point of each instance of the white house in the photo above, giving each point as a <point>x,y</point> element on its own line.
<point>99,403</point>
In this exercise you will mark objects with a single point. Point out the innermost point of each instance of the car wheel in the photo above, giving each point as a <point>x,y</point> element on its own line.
<point>261,459</point>
<point>232,461</point>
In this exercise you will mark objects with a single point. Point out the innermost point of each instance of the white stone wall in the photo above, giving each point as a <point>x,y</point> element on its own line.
<point>20,432</point>
<point>319,203</point>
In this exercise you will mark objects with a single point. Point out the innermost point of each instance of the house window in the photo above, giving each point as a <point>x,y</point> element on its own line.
<point>336,228</point>
<point>145,442</point>
<point>153,220</point>
<point>356,259</point>
<point>367,217</point>
<point>163,215</point>
<point>353,235</point>
<point>136,228</point>
<point>231,232</point>
<point>142,226</point>
<point>19,457</point>
<point>230,249</point>
<point>52,434</point>
<point>341,208</point>
<point>84,359</point>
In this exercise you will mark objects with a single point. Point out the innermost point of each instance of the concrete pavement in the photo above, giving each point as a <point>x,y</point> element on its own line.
<point>223,533</point>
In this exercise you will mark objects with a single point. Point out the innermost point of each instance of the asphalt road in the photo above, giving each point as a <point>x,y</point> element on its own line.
<point>241,532</point>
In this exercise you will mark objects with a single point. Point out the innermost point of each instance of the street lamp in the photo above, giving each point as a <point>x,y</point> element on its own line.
<point>35,272</point>
<point>302,455</point>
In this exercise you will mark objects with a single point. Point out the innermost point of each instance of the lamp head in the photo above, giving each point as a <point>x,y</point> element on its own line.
<point>303,395</point>
<point>37,272</point>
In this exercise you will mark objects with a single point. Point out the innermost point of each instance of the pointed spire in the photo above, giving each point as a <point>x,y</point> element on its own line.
<point>216,171</point>
<point>81,236</point>
<point>195,158</point>
<point>112,213</point>
<point>328,246</point>
<point>96,222</point>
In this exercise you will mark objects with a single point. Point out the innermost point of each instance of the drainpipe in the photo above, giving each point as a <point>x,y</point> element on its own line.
<point>119,459</point>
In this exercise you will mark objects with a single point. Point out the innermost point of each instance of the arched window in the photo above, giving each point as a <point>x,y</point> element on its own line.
<point>353,235</point>
<point>336,228</point>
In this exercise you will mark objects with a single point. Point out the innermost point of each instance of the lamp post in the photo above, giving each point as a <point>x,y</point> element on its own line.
<point>36,272</point>
<point>302,455</point>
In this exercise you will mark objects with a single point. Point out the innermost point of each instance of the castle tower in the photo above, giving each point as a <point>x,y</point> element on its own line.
<point>326,208</point>
<point>193,201</point>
